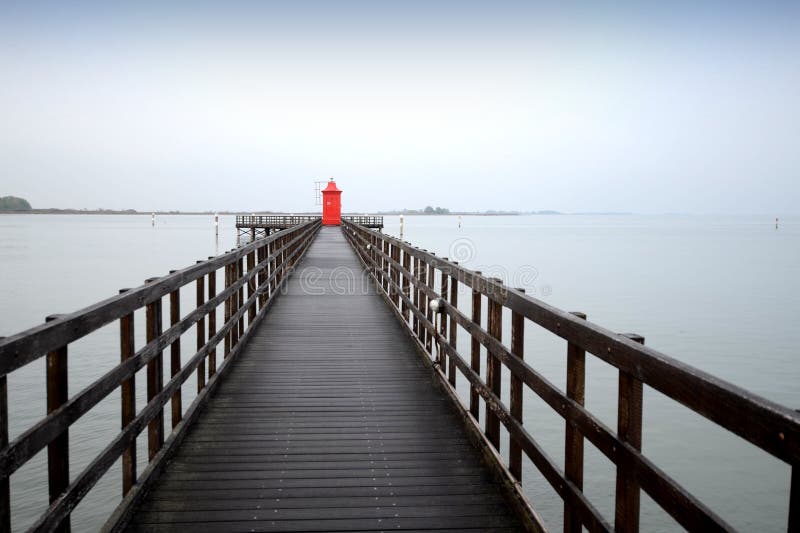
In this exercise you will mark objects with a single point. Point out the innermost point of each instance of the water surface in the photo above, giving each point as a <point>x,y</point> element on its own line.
<point>719,293</point>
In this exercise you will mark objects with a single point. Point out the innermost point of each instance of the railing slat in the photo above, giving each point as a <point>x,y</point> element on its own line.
<point>453,334</point>
<point>212,323</point>
<point>443,320</point>
<point>493,374</point>
<point>155,378</point>
<point>5,488</point>
<point>629,429</point>
<point>475,346</point>
<point>200,331</point>
<point>770,426</point>
<point>681,505</point>
<point>515,394</point>
<point>128,398</point>
<point>573,448</point>
<point>175,353</point>
<point>58,449</point>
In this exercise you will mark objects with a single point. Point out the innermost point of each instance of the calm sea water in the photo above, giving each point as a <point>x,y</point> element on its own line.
<point>719,293</point>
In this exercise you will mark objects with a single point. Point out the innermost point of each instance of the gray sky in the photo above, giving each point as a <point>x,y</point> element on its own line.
<point>644,107</point>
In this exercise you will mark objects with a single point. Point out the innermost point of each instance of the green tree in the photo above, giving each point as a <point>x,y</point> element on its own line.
<point>12,203</point>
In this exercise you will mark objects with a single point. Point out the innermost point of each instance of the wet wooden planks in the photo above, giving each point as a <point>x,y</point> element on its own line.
<point>328,422</point>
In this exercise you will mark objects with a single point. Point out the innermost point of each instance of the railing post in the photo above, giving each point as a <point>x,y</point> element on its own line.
<point>794,498</point>
<point>451,369</point>
<point>128,393</point>
<point>261,256</point>
<point>573,442</point>
<point>475,363</point>
<point>240,300</point>
<point>385,267</point>
<point>212,322</point>
<point>201,334</point>
<point>406,283</point>
<point>395,275</point>
<point>58,449</point>
<point>234,304</point>
<point>175,353</point>
<point>155,376</point>
<point>517,350</point>
<point>493,373</point>
<point>629,429</point>
<point>443,320</point>
<point>422,332</point>
<point>418,276</point>
<point>227,314</point>
<point>5,487</point>
<point>429,282</point>
<point>251,311</point>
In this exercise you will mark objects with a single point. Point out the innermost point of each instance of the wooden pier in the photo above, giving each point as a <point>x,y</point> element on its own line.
<point>327,399</point>
<point>254,227</point>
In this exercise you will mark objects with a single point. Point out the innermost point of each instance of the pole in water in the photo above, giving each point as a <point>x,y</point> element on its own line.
<point>216,233</point>
<point>776,222</point>
<point>459,221</point>
<point>153,219</point>
<point>401,227</point>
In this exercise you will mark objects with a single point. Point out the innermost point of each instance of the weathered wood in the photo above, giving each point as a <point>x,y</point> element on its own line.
<point>5,488</point>
<point>629,429</point>
<point>573,448</point>
<point>443,320</point>
<point>760,421</point>
<point>453,334</point>
<point>794,500</point>
<point>430,281</point>
<point>362,460</point>
<point>175,353</point>
<point>50,430</point>
<point>423,302</point>
<point>681,505</point>
<point>200,331</point>
<point>406,283</point>
<point>251,265</point>
<point>240,300</point>
<point>493,367</point>
<point>475,347</point>
<point>155,377</point>
<point>416,276</point>
<point>515,394</point>
<point>21,348</point>
<point>228,308</point>
<point>58,449</point>
<point>212,321</point>
<point>128,398</point>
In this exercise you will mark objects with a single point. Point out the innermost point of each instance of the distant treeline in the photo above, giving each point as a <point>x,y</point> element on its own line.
<point>444,211</point>
<point>13,203</point>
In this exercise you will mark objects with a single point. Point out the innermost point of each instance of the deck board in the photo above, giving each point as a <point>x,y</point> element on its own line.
<point>328,421</point>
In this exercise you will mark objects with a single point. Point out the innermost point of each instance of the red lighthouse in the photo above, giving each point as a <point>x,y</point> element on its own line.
<point>331,205</point>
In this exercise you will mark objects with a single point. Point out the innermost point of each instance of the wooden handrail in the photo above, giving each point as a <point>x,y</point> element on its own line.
<point>772,427</point>
<point>276,255</point>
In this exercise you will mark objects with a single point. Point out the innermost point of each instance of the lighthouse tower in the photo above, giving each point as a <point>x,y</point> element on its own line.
<point>331,205</point>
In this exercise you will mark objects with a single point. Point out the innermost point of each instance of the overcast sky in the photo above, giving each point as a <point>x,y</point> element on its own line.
<point>644,107</point>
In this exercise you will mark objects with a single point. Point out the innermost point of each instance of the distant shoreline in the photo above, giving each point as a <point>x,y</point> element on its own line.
<point>304,213</point>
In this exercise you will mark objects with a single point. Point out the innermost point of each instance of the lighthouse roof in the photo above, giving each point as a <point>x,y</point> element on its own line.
<point>331,187</point>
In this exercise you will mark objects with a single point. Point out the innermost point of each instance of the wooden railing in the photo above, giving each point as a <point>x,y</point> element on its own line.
<point>368,221</point>
<point>253,275</point>
<point>406,276</point>
<point>285,221</point>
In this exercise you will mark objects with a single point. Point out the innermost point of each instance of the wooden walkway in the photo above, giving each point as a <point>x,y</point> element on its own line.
<point>328,421</point>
